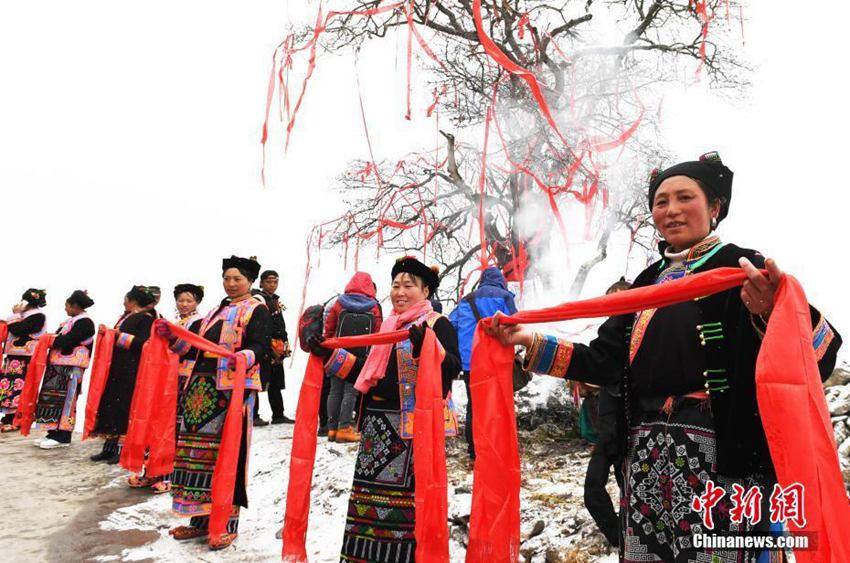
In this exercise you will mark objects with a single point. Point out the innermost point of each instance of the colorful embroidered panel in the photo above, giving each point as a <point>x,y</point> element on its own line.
<point>80,356</point>
<point>549,355</point>
<point>235,317</point>
<point>28,348</point>
<point>408,368</point>
<point>124,340</point>
<point>340,363</point>
<point>822,337</point>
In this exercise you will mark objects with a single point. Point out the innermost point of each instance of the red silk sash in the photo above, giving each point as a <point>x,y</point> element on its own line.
<point>151,405</point>
<point>103,347</point>
<point>494,522</point>
<point>301,462</point>
<point>798,427</point>
<point>152,422</point>
<point>32,384</point>
<point>429,452</point>
<point>431,498</point>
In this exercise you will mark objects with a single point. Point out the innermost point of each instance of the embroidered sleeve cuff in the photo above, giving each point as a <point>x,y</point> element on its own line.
<point>822,337</point>
<point>340,363</point>
<point>124,340</point>
<point>180,347</point>
<point>548,355</point>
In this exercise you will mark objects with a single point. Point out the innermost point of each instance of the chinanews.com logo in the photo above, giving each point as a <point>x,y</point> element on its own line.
<point>785,505</point>
<point>769,542</point>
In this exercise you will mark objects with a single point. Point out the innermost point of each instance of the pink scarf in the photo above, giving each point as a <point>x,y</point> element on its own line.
<point>376,364</point>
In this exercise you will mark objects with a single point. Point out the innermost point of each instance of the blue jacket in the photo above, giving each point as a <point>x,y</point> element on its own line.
<point>492,295</point>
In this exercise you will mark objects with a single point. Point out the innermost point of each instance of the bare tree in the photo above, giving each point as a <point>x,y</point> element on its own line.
<point>596,113</point>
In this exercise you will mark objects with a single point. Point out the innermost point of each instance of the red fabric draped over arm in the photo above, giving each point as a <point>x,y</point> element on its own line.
<point>154,404</point>
<point>224,476</point>
<point>494,522</point>
<point>430,470</point>
<point>796,422</point>
<point>162,434</point>
<point>32,383</point>
<point>301,462</point>
<point>794,416</point>
<point>429,453</point>
<point>103,347</point>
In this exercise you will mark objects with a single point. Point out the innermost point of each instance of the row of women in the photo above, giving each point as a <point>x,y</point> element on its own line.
<point>687,373</point>
<point>240,324</point>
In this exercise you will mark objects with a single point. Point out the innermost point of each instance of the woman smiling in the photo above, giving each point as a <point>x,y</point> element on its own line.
<point>241,325</point>
<point>380,523</point>
<point>692,414</point>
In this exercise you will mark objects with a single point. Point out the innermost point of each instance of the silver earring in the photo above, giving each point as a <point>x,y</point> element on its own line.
<point>714,222</point>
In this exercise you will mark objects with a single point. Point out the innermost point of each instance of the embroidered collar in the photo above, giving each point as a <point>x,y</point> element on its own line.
<point>678,264</point>
<point>187,319</point>
<point>700,252</point>
<point>69,322</point>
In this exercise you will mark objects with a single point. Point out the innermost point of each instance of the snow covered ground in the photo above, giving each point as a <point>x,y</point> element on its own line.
<point>553,460</point>
<point>85,511</point>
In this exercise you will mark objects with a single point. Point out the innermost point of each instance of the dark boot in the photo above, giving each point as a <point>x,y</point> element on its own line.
<point>104,454</point>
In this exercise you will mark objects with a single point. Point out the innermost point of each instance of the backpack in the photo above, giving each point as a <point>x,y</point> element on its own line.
<point>521,377</point>
<point>311,323</point>
<point>350,323</point>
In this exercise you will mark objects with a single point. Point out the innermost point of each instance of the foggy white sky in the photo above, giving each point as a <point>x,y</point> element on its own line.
<point>129,146</point>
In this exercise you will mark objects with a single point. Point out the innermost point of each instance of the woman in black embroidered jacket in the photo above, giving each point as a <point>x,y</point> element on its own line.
<point>113,413</point>
<point>243,326</point>
<point>381,520</point>
<point>25,327</point>
<point>690,375</point>
<point>69,357</point>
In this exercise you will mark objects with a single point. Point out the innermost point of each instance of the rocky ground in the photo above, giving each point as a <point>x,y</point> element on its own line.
<point>838,402</point>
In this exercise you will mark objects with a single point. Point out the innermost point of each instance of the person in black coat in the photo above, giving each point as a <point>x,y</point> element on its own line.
<point>688,373</point>
<point>271,367</point>
<point>25,326</point>
<point>113,413</point>
<point>381,514</point>
<point>70,354</point>
<point>607,452</point>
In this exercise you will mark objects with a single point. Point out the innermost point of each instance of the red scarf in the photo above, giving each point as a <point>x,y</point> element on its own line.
<point>432,538</point>
<point>103,346</point>
<point>154,398</point>
<point>32,383</point>
<point>790,427</point>
<point>796,421</point>
<point>151,425</point>
<point>375,367</point>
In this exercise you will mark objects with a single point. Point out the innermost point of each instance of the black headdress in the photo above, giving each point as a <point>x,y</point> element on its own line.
<point>196,290</point>
<point>81,299</point>
<point>141,295</point>
<point>249,267</point>
<point>35,297</point>
<point>714,178</point>
<point>411,265</point>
